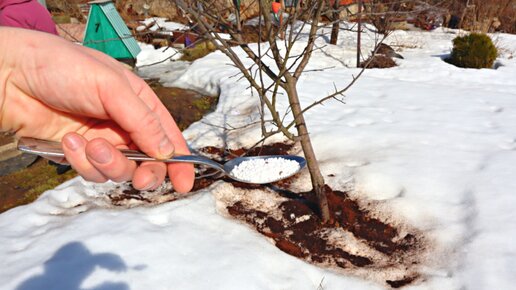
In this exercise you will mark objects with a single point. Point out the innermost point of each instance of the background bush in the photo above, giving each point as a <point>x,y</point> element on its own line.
<point>473,51</point>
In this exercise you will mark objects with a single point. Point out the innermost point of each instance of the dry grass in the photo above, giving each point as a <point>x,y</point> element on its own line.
<point>200,50</point>
<point>27,185</point>
<point>378,61</point>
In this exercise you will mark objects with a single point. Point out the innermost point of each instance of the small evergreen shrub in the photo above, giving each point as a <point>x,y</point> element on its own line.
<point>473,51</point>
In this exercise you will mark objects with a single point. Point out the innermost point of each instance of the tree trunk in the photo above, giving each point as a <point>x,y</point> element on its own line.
<point>336,23</point>
<point>311,161</point>
<point>463,14</point>
<point>359,31</point>
<point>282,26</point>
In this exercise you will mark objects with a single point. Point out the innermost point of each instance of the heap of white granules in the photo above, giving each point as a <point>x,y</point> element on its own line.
<point>264,170</point>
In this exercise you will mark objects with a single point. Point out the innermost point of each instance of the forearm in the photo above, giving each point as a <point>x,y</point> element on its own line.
<point>12,51</point>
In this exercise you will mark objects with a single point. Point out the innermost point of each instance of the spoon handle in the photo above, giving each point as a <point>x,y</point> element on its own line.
<point>54,149</point>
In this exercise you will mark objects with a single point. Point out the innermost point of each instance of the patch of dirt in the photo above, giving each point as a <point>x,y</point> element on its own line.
<point>378,61</point>
<point>186,106</point>
<point>271,149</point>
<point>356,242</point>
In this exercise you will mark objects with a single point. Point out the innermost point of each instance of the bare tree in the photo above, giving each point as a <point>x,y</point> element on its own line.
<point>274,69</point>
<point>382,14</point>
<point>336,21</point>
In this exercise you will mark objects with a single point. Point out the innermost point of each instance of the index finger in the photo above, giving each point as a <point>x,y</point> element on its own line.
<point>182,175</point>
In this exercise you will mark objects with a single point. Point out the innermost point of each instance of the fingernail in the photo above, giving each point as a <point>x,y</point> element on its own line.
<point>73,142</point>
<point>151,184</point>
<point>101,153</point>
<point>166,148</point>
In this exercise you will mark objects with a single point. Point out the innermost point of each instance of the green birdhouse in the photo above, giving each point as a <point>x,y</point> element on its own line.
<point>107,32</point>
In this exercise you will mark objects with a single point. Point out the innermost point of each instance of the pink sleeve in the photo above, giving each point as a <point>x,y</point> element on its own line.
<point>7,20</point>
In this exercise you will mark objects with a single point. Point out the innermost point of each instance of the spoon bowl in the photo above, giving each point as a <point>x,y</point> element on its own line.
<point>295,164</point>
<point>262,167</point>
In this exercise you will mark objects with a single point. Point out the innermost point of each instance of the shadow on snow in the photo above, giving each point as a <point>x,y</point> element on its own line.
<point>69,267</point>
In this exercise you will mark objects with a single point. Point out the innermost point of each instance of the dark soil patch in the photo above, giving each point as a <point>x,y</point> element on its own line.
<point>402,282</point>
<point>228,154</point>
<point>383,237</point>
<point>300,233</point>
<point>187,106</point>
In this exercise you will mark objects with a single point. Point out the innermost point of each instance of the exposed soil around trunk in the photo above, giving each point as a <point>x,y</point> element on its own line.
<point>299,232</point>
<point>356,241</point>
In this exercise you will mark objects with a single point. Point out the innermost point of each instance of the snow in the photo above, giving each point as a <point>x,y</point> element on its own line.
<point>160,23</point>
<point>432,144</point>
<point>265,170</point>
<point>149,56</point>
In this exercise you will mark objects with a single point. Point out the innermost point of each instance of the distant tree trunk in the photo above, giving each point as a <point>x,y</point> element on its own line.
<point>336,22</point>
<point>463,14</point>
<point>238,24</point>
<point>282,25</point>
<point>359,32</point>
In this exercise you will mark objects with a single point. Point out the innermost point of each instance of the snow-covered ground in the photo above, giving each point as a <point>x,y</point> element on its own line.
<point>434,144</point>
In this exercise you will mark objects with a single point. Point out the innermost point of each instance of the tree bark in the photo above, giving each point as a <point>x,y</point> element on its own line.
<point>359,31</point>
<point>311,161</point>
<point>463,14</point>
<point>336,23</point>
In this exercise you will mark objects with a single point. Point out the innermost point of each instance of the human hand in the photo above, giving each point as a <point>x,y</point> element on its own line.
<point>56,90</point>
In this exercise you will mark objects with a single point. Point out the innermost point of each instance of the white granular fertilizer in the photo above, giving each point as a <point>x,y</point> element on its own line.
<point>265,170</point>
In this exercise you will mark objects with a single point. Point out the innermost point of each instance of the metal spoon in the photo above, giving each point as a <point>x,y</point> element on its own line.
<point>46,148</point>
